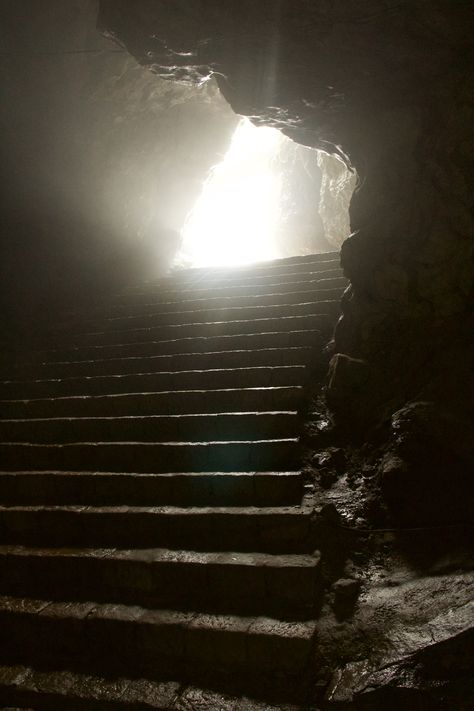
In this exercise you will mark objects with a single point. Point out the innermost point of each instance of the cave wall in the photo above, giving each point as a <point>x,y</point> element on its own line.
<point>100,160</point>
<point>387,87</point>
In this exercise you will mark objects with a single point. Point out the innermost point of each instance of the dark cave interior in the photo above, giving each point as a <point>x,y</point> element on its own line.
<point>114,113</point>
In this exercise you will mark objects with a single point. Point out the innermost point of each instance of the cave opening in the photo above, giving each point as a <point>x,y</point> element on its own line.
<point>268,198</point>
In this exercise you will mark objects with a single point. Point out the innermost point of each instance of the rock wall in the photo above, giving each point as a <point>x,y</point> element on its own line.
<point>387,87</point>
<point>101,161</point>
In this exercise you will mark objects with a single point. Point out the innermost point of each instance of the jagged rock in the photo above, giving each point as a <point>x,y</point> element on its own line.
<point>331,457</point>
<point>425,472</point>
<point>436,678</point>
<point>346,375</point>
<point>346,592</point>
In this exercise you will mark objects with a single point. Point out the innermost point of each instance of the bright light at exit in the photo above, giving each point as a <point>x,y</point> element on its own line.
<point>235,219</point>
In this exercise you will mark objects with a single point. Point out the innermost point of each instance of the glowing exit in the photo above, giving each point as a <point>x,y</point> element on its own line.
<point>235,219</point>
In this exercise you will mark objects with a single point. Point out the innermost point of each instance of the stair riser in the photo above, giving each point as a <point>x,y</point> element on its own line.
<point>206,587</point>
<point>200,330</point>
<point>185,345</point>
<point>154,382</point>
<point>174,362</point>
<point>101,489</point>
<point>149,458</point>
<point>321,270</point>
<point>204,531</point>
<point>166,403</point>
<point>165,429</point>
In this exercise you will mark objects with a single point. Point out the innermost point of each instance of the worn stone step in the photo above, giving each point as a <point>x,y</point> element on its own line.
<point>238,358</point>
<point>220,378</point>
<point>202,291</point>
<point>230,313</point>
<point>149,457</point>
<point>158,642</point>
<point>191,344</point>
<point>278,266</point>
<point>317,294</point>
<point>206,329</point>
<point>249,529</point>
<point>165,489</point>
<point>183,280</point>
<point>281,263</point>
<point>66,690</point>
<point>153,428</point>
<point>243,583</point>
<point>24,688</point>
<point>178,489</point>
<point>175,402</point>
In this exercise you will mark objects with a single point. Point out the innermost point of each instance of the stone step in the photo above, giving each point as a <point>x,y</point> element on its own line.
<point>317,294</point>
<point>66,690</point>
<point>217,378</point>
<point>272,287</point>
<point>247,529</point>
<point>206,329</point>
<point>42,488</point>
<point>183,280</point>
<point>159,643</point>
<point>243,583</point>
<point>230,313</point>
<point>273,264</point>
<point>150,457</point>
<point>193,344</point>
<point>175,362</point>
<point>24,688</point>
<point>279,266</point>
<point>170,402</point>
<point>153,428</point>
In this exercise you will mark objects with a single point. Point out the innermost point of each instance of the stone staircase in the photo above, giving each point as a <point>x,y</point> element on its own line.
<point>155,530</point>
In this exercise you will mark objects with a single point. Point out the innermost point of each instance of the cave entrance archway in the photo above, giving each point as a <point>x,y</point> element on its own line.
<point>268,198</point>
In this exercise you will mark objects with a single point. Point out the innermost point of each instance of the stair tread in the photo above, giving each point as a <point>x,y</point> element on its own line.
<point>178,443</point>
<point>213,622</point>
<point>68,686</point>
<point>159,392</point>
<point>259,413</point>
<point>265,511</point>
<point>166,555</point>
<point>61,473</point>
<point>209,371</point>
